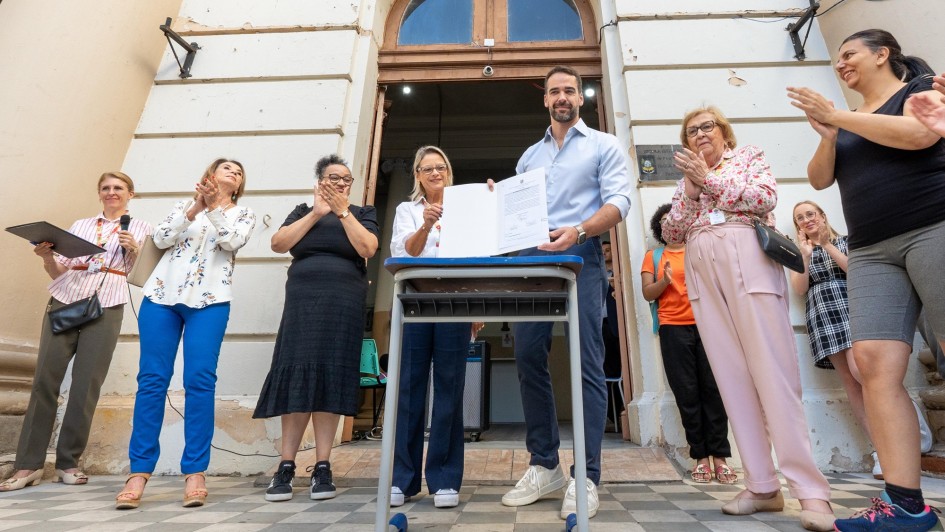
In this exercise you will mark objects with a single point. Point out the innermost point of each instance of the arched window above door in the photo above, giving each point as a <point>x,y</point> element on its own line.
<point>544,20</point>
<point>437,22</point>
<point>478,39</point>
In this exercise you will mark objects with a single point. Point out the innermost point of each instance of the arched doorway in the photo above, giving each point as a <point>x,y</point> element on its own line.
<point>467,75</point>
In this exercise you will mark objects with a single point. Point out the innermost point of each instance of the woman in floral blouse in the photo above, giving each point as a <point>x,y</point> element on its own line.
<point>189,293</point>
<point>739,298</point>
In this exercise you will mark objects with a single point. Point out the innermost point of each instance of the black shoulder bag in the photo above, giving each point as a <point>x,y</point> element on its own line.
<point>778,247</point>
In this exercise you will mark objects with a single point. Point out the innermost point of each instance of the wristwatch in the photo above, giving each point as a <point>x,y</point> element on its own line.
<point>344,214</point>
<point>582,234</point>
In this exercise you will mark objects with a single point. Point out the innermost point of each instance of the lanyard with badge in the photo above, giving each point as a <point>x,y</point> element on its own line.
<point>97,263</point>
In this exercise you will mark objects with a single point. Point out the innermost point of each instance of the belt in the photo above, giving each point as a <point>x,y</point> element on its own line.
<point>106,270</point>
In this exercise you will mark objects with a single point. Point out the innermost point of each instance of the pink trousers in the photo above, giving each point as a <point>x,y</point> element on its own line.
<point>739,298</point>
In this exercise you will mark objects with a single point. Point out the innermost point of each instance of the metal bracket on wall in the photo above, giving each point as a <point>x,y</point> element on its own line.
<point>190,47</point>
<point>793,29</point>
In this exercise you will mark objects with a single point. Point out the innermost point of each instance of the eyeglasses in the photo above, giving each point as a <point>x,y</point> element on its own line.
<point>801,218</point>
<point>428,170</point>
<point>335,178</point>
<point>705,127</point>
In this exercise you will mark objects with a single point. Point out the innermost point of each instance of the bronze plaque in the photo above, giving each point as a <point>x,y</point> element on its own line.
<point>655,162</point>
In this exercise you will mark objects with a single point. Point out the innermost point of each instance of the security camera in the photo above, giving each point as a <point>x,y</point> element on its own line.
<point>488,71</point>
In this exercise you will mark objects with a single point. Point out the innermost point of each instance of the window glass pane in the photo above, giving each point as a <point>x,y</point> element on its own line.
<point>437,22</point>
<point>544,20</point>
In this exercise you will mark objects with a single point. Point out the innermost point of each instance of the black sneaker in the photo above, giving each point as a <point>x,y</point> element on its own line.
<point>322,486</point>
<point>280,487</point>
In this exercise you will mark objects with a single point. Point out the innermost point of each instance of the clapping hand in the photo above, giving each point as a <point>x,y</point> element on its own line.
<point>336,201</point>
<point>929,111</point>
<point>694,168</point>
<point>320,207</point>
<point>817,108</point>
<point>805,245</point>
<point>208,193</point>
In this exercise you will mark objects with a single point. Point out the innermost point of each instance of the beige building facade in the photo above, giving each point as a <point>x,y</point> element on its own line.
<point>276,85</point>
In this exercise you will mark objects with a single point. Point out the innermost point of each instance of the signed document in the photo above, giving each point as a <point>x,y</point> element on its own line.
<point>480,223</point>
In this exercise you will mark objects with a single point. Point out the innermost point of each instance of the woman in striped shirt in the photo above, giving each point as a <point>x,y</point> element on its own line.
<point>91,345</point>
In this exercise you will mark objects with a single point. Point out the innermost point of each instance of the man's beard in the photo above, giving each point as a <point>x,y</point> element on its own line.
<point>563,115</point>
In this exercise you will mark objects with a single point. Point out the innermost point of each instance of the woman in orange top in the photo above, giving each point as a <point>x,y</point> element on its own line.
<point>684,360</point>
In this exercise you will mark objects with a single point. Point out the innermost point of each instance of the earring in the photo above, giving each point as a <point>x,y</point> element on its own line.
<point>233,197</point>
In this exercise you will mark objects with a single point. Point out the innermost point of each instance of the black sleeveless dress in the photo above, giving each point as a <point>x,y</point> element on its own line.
<point>316,360</point>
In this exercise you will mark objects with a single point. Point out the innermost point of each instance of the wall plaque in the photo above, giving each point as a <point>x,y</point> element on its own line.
<point>655,162</point>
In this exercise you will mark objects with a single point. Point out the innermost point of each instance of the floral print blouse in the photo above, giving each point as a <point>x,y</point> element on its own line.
<point>197,268</point>
<point>740,186</point>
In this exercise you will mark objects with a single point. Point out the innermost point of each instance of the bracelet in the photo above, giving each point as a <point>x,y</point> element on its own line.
<point>424,229</point>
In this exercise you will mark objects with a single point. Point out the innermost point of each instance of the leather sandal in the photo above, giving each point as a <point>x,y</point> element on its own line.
<point>196,497</point>
<point>72,479</point>
<point>13,484</point>
<point>129,499</point>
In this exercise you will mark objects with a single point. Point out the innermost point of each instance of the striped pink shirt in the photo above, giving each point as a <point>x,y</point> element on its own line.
<point>79,284</point>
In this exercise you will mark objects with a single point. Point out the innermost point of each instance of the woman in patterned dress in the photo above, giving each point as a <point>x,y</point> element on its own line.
<point>188,295</point>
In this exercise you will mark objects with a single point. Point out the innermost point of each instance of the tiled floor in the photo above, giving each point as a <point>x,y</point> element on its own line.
<point>236,505</point>
<point>358,465</point>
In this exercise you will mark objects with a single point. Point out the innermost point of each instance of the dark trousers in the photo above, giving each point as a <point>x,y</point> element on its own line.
<point>697,395</point>
<point>532,345</point>
<point>92,345</point>
<point>444,346</point>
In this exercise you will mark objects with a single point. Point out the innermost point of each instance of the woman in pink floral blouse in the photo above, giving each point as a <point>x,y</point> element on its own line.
<point>739,298</point>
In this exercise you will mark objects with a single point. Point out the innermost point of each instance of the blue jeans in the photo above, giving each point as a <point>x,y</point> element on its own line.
<point>532,345</point>
<point>445,345</point>
<point>160,328</point>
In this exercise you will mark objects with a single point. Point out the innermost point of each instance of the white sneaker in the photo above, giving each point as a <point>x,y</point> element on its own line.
<point>447,498</point>
<point>537,482</point>
<point>925,432</point>
<point>569,504</point>
<point>877,470</point>
<point>397,497</point>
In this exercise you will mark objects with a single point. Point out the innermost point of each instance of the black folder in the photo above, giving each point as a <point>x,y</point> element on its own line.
<point>64,243</point>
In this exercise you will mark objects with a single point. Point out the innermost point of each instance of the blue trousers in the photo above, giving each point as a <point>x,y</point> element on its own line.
<point>532,346</point>
<point>445,346</point>
<point>160,328</point>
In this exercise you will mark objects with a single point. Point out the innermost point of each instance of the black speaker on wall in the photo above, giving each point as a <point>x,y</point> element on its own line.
<point>475,391</point>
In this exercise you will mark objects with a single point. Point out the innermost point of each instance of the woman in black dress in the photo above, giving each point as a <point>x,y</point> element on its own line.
<point>315,364</point>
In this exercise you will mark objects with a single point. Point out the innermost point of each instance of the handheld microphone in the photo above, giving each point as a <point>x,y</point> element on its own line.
<point>124,222</point>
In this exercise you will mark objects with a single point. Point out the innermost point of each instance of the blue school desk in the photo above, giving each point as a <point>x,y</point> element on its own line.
<point>542,288</point>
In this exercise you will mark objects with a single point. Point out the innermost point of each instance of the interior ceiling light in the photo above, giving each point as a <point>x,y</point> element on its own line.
<point>406,89</point>
<point>589,92</point>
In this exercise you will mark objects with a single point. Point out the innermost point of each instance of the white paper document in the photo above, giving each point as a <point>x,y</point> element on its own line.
<point>480,223</point>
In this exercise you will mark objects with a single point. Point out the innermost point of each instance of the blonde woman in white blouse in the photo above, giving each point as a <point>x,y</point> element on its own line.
<point>187,295</point>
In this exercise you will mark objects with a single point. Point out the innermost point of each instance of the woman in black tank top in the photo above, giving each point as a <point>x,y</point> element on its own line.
<point>880,154</point>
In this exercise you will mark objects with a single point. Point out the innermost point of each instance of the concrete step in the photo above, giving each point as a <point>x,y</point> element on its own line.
<point>7,469</point>
<point>933,462</point>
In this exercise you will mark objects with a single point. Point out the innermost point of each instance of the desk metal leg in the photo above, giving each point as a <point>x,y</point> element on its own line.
<point>389,431</point>
<point>577,407</point>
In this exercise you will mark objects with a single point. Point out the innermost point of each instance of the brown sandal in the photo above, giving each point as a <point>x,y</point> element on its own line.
<point>197,497</point>
<point>725,474</point>
<point>128,499</point>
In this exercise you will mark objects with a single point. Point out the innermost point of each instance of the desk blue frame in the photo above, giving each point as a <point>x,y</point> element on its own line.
<point>542,288</point>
